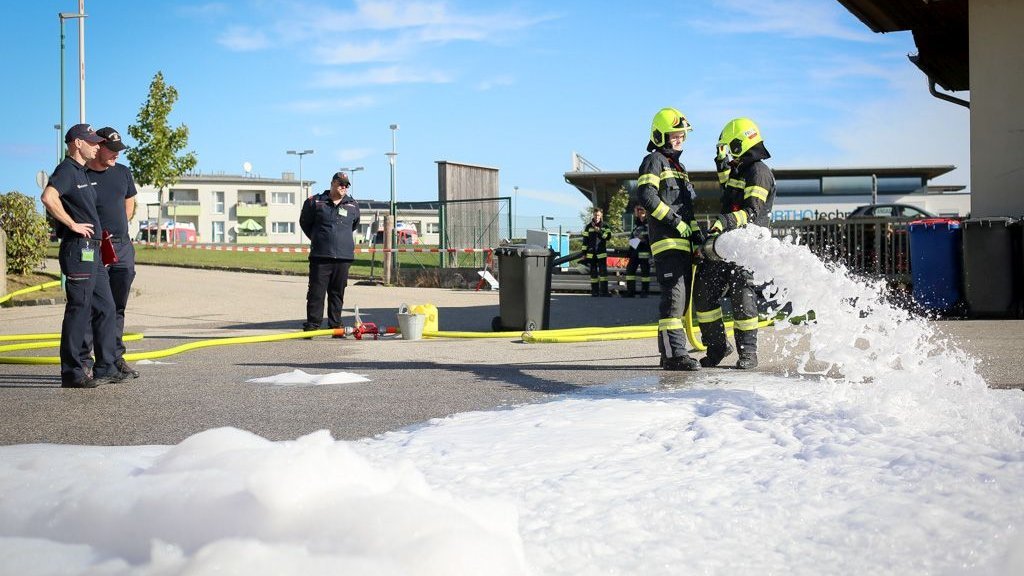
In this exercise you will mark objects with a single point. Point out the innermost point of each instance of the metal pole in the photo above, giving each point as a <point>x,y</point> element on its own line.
<point>81,61</point>
<point>874,189</point>
<point>61,18</point>
<point>60,148</point>
<point>515,201</point>
<point>392,157</point>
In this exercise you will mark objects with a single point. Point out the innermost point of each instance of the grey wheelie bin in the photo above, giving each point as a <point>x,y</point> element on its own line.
<point>989,267</point>
<point>524,287</point>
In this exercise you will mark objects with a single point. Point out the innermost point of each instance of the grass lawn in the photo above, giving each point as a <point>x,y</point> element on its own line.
<point>276,262</point>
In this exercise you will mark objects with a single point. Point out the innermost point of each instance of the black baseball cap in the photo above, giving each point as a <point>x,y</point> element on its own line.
<point>341,178</point>
<point>82,132</point>
<point>111,139</point>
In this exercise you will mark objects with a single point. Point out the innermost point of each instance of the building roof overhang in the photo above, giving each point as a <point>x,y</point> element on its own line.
<point>940,32</point>
<point>604,184</point>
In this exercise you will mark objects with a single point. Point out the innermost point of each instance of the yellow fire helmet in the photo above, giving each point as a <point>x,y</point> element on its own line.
<point>667,121</point>
<point>740,135</point>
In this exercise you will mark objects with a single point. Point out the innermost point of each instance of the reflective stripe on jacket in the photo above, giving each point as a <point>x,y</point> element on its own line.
<point>664,190</point>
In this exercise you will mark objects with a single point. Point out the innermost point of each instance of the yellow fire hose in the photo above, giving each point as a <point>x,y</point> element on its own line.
<point>42,286</point>
<point>562,335</point>
<point>154,354</point>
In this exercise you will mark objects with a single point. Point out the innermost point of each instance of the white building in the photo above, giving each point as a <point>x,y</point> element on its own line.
<point>234,209</point>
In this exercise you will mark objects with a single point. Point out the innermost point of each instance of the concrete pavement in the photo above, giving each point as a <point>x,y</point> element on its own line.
<point>410,381</point>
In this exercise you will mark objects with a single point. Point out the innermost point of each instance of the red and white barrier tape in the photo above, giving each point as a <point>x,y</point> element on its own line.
<point>305,249</point>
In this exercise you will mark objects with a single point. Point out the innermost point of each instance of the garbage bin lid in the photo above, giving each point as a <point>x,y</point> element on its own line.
<point>991,221</point>
<point>523,250</point>
<point>950,222</point>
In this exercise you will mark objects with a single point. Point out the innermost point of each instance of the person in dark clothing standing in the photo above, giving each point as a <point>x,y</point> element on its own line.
<point>639,256</point>
<point>665,192</point>
<point>748,192</point>
<point>328,220</point>
<point>597,236</point>
<point>115,204</point>
<point>70,198</point>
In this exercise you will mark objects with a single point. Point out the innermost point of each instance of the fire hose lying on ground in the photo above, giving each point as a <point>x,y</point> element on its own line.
<point>364,330</point>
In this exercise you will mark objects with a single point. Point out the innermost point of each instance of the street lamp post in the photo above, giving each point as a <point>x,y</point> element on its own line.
<point>392,157</point>
<point>62,16</point>
<point>60,142</point>
<point>350,171</point>
<point>515,202</point>
<point>300,154</point>
<point>542,219</point>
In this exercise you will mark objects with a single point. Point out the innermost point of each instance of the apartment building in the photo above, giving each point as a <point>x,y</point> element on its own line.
<point>244,209</point>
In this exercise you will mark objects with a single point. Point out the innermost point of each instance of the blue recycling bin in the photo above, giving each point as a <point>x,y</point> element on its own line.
<point>935,263</point>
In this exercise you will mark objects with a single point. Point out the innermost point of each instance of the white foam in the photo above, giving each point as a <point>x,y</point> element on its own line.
<point>298,378</point>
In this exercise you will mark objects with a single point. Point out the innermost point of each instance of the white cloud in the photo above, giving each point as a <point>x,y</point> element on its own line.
<point>573,200</point>
<point>327,104</point>
<point>495,82</point>
<point>360,52</point>
<point>243,39</point>
<point>908,127</point>
<point>348,155</point>
<point>380,76</point>
<point>792,18</point>
<point>844,68</point>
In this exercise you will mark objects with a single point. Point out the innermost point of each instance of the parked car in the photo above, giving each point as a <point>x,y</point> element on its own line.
<point>904,211</point>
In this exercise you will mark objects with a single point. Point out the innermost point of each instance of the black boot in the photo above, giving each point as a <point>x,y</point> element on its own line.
<point>645,289</point>
<point>604,288</point>
<point>630,291</point>
<point>593,289</point>
<point>746,343</point>
<point>681,363</point>
<point>747,361</point>
<point>715,355</point>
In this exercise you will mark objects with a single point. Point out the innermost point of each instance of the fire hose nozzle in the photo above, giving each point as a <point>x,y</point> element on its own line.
<point>707,249</point>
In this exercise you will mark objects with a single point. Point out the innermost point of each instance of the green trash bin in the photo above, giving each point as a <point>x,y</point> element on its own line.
<point>524,287</point>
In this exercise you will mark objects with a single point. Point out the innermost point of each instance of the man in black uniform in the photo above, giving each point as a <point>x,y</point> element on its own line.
<point>328,220</point>
<point>115,204</point>
<point>639,256</point>
<point>665,192</point>
<point>748,191</point>
<point>71,199</point>
<point>597,236</point>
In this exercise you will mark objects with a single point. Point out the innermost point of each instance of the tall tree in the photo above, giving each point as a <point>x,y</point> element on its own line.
<point>154,159</point>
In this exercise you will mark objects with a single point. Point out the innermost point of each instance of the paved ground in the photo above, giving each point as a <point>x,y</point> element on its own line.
<point>410,381</point>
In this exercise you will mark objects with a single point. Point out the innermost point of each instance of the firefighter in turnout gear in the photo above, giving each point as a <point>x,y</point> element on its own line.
<point>597,252</point>
<point>639,256</point>
<point>665,192</point>
<point>748,192</point>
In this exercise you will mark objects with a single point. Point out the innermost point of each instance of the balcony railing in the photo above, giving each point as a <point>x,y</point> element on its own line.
<point>182,208</point>
<point>251,210</point>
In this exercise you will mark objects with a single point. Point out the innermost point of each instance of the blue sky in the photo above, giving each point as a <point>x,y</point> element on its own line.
<point>516,85</point>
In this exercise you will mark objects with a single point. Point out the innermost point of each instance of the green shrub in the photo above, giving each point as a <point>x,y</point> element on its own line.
<point>27,232</point>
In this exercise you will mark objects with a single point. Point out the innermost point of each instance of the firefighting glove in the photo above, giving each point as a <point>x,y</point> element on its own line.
<point>716,228</point>
<point>683,228</point>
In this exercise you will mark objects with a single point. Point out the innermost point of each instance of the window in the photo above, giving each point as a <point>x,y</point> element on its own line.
<point>218,203</point>
<point>282,198</point>
<point>282,227</point>
<point>218,231</point>
<point>798,187</point>
<point>433,227</point>
<point>899,184</point>
<point>845,185</point>
<point>250,196</point>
